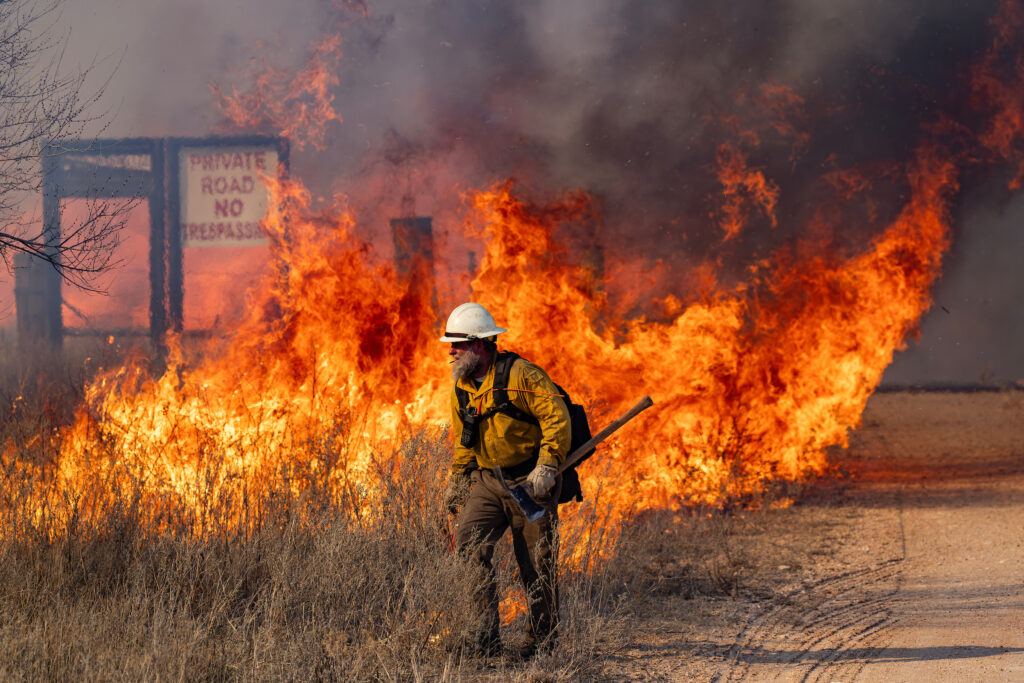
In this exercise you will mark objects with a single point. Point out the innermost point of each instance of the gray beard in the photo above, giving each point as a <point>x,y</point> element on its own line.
<point>466,366</point>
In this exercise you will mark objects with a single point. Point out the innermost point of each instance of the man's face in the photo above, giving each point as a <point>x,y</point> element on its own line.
<point>459,348</point>
<point>465,357</point>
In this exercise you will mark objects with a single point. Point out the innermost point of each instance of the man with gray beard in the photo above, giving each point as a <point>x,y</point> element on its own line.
<point>466,360</point>
<point>507,414</point>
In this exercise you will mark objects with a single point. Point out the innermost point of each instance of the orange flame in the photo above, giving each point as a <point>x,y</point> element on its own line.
<point>751,385</point>
<point>332,361</point>
<point>742,187</point>
<point>299,107</point>
<point>337,361</point>
<point>786,114</point>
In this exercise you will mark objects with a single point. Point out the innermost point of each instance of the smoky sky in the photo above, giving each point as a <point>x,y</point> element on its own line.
<point>627,100</point>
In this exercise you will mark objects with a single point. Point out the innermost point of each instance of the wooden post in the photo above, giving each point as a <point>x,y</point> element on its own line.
<point>49,281</point>
<point>30,288</point>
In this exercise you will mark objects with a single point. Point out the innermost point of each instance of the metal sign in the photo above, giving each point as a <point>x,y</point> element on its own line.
<point>215,158</point>
<point>224,194</point>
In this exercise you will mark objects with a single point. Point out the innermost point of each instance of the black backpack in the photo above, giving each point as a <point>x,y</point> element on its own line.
<point>579,425</point>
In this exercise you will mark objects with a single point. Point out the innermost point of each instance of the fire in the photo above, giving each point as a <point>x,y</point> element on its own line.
<point>299,107</point>
<point>337,363</point>
<point>338,360</point>
<point>746,190</point>
<point>997,82</point>
<point>332,362</point>
<point>751,385</point>
<point>512,605</point>
<point>741,186</point>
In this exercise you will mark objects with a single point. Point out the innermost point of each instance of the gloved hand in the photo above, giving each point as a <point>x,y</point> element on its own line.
<point>456,493</point>
<point>542,481</point>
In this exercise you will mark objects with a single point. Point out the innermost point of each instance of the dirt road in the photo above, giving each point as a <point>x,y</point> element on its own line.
<point>922,579</point>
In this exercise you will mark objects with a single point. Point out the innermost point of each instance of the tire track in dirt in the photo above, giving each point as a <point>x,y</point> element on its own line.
<point>844,662</point>
<point>834,623</point>
<point>904,567</point>
<point>833,615</point>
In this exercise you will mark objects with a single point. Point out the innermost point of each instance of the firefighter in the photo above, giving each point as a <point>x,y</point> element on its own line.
<point>525,431</point>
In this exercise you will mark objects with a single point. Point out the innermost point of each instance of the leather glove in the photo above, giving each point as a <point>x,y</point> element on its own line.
<point>456,493</point>
<point>542,480</point>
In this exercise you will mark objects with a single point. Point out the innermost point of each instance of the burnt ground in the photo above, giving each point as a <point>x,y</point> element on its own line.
<point>906,564</point>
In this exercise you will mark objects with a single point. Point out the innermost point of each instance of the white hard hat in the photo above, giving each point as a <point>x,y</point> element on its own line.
<point>470,321</point>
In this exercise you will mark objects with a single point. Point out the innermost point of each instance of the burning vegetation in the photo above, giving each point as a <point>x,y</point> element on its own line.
<point>336,364</point>
<point>339,357</point>
<point>281,482</point>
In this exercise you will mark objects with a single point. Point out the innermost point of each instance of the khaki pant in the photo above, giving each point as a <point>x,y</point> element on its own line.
<point>488,511</point>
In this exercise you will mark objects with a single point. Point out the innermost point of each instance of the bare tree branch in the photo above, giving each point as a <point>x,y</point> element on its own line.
<point>42,106</point>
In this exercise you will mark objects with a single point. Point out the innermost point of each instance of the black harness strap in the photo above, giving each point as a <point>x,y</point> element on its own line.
<point>502,373</point>
<point>502,403</point>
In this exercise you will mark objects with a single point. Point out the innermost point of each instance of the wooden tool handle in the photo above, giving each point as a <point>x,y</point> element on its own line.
<point>586,448</point>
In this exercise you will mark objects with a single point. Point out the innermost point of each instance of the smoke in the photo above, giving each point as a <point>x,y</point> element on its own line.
<point>629,101</point>
<point>974,331</point>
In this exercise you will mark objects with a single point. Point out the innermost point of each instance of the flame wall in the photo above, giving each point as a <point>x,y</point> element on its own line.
<point>774,212</point>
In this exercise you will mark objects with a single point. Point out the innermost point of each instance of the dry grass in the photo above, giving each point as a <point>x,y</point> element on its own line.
<point>311,591</point>
<point>301,597</point>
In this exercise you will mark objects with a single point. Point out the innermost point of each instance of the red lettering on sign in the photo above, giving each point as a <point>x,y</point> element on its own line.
<point>237,231</point>
<point>225,207</point>
<point>225,185</point>
<point>228,161</point>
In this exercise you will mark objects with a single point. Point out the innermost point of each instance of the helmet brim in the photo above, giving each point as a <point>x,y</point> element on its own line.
<point>449,339</point>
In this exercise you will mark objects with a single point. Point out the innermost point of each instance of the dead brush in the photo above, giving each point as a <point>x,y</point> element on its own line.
<point>128,586</point>
<point>316,571</point>
<point>690,553</point>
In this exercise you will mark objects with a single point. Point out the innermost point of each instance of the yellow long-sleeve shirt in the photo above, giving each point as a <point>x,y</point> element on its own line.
<point>505,441</point>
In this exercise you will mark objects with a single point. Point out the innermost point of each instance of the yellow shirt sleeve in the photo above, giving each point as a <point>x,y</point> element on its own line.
<point>463,458</point>
<point>541,399</point>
